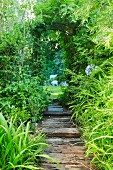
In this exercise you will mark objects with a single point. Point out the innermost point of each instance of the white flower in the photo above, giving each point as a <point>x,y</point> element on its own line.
<point>90,68</point>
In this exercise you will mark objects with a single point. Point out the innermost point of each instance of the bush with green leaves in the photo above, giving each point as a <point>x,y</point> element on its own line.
<point>92,105</point>
<point>18,148</point>
<point>26,98</point>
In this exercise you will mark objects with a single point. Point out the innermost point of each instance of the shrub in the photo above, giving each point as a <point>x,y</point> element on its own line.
<point>26,98</point>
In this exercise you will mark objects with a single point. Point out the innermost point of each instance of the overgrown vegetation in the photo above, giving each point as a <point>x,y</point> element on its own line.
<point>92,104</point>
<point>21,90</point>
<point>25,98</point>
<point>19,149</point>
<point>60,34</point>
<point>22,97</point>
<point>85,33</point>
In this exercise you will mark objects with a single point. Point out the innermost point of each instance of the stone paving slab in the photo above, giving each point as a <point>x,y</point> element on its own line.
<point>67,149</point>
<point>55,106</point>
<point>56,120</point>
<point>83,167</point>
<point>64,113</point>
<point>56,116</point>
<point>69,159</point>
<point>56,125</point>
<point>65,144</point>
<point>53,167</point>
<point>62,132</point>
<point>69,141</point>
<point>55,109</point>
<point>66,167</point>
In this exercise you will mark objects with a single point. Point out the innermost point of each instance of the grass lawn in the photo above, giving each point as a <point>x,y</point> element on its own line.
<point>55,90</point>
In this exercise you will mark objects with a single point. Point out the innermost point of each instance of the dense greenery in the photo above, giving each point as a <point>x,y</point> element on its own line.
<point>21,92</point>
<point>19,149</point>
<point>85,34</point>
<point>25,98</point>
<point>39,38</point>
<point>92,104</point>
<point>22,97</point>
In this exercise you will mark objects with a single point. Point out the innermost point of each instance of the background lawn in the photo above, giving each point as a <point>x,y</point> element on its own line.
<point>54,90</point>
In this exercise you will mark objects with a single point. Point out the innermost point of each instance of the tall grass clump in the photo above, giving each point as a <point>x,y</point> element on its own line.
<point>18,149</point>
<point>92,105</point>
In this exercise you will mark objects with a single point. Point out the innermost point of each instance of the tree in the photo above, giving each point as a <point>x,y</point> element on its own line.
<point>79,24</point>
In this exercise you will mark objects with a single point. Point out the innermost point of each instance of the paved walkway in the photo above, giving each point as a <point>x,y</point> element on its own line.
<point>65,144</point>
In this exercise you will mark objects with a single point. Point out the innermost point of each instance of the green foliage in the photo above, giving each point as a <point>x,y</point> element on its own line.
<point>80,32</point>
<point>9,69</point>
<point>25,98</point>
<point>84,35</point>
<point>47,53</point>
<point>19,149</point>
<point>55,91</point>
<point>92,104</point>
<point>21,93</point>
<point>14,26</point>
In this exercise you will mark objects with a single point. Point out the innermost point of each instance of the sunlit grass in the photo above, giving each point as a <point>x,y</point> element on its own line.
<point>54,90</point>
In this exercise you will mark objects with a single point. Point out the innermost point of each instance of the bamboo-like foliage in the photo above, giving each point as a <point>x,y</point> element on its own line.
<point>92,104</point>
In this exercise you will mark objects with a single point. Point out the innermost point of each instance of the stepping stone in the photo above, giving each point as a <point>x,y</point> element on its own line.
<point>62,122</point>
<point>57,120</point>
<point>52,105</point>
<point>65,144</point>
<point>68,159</point>
<point>62,132</point>
<point>73,167</point>
<point>64,167</point>
<point>52,167</point>
<point>57,124</point>
<point>56,116</point>
<point>61,141</point>
<point>55,106</point>
<point>58,113</point>
<point>55,109</point>
<point>66,149</point>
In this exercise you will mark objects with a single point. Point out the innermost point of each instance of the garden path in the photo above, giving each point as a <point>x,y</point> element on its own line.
<point>64,139</point>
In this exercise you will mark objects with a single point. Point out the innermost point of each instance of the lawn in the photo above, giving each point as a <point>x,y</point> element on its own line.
<point>54,90</point>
